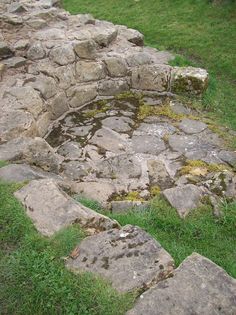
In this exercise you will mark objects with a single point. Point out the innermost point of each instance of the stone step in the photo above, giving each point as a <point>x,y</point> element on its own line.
<point>198,287</point>
<point>51,209</point>
<point>129,258</point>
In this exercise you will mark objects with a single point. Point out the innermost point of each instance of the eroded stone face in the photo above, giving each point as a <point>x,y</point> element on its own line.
<point>151,77</point>
<point>184,198</point>
<point>189,79</point>
<point>115,148</point>
<point>129,258</point>
<point>51,209</point>
<point>198,287</point>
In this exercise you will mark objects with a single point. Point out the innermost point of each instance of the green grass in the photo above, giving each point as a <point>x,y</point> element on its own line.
<point>203,33</point>
<point>3,163</point>
<point>33,279</point>
<point>212,237</point>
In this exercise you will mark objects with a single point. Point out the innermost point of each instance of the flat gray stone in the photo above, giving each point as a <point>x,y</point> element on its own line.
<point>151,77</point>
<point>83,94</point>
<point>38,152</point>
<point>148,144</point>
<point>109,140</point>
<point>63,55</point>
<point>99,191</point>
<point>75,170</point>
<point>51,209</point>
<point>190,126</point>
<point>157,129</point>
<point>116,66</point>
<point>126,205</point>
<point>16,8</point>
<point>131,35</point>
<point>184,198</point>
<point>50,34</point>
<point>65,75</point>
<point>37,23</point>
<point>15,123</point>
<point>21,44</point>
<point>173,161</point>
<point>32,151</point>
<point>13,149</point>
<point>123,166</point>
<point>20,173</point>
<point>104,33</point>
<point>15,62</point>
<point>179,108</point>
<point>119,124</point>
<point>228,157</point>
<point>58,105</point>
<point>81,131</point>
<point>36,51</point>
<point>158,174</point>
<point>136,59</point>
<point>24,98</point>
<point>70,150</point>
<point>198,287</point>
<point>191,144</point>
<point>129,258</point>
<point>47,86</point>
<point>86,49</point>
<point>112,87</point>
<point>90,71</point>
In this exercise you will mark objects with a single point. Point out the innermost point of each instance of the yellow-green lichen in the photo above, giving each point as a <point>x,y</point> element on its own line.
<point>155,191</point>
<point>201,168</point>
<point>131,196</point>
<point>146,110</point>
<point>93,112</point>
<point>128,94</point>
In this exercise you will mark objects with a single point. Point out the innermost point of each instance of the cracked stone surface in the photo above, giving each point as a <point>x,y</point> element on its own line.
<point>51,209</point>
<point>198,286</point>
<point>116,148</point>
<point>184,198</point>
<point>23,172</point>
<point>129,258</point>
<point>65,126</point>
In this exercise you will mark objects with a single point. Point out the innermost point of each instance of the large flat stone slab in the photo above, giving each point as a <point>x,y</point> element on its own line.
<point>22,172</point>
<point>184,198</point>
<point>129,258</point>
<point>199,287</point>
<point>109,140</point>
<point>148,144</point>
<point>123,166</point>
<point>51,209</point>
<point>99,191</point>
<point>34,151</point>
<point>190,126</point>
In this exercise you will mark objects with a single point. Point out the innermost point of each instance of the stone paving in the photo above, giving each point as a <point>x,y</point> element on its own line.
<point>86,109</point>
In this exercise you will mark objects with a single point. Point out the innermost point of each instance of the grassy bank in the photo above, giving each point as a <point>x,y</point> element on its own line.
<point>200,31</point>
<point>33,279</point>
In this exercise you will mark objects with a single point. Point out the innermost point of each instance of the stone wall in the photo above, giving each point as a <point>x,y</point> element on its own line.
<point>51,62</point>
